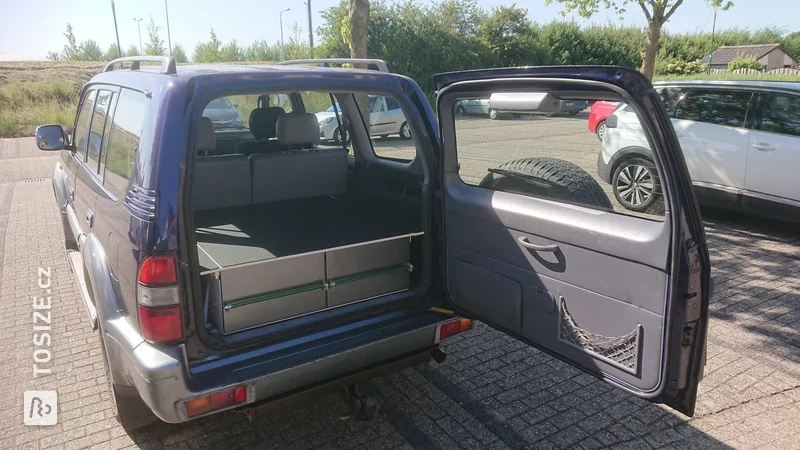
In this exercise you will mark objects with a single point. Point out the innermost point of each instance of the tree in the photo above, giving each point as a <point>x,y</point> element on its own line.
<point>262,51</point>
<point>508,34</point>
<point>52,56</point>
<point>358,28</point>
<point>71,51</point>
<point>657,12</point>
<point>155,45</point>
<point>90,51</point>
<point>133,50</point>
<point>111,53</point>
<point>205,52</point>
<point>791,43</point>
<point>232,51</point>
<point>741,62</point>
<point>179,53</point>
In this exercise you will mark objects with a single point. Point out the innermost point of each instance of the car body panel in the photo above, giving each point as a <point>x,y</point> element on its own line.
<point>599,112</point>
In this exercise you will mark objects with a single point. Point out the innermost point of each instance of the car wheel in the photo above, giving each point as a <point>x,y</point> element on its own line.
<point>493,114</point>
<point>635,184</point>
<point>341,136</point>
<point>550,178</point>
<point>130,410</point>
<point>601,130</point>
<point>405,131</point>
<point>460,111</point>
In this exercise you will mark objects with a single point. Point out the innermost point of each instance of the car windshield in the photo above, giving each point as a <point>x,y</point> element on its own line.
<point>219,103</point>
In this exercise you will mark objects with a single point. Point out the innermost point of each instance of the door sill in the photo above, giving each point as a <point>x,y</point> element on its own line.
<point>75,261</point>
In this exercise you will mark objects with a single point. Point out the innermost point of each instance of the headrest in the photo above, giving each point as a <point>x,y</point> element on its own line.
<point>206,140</point>
<point>298,128</point>
<point>263,120</point>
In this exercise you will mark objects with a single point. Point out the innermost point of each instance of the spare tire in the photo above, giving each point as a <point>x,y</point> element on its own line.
<point>550,178</point>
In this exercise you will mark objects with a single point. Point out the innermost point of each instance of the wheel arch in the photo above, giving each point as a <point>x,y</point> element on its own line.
<point>627,153</point>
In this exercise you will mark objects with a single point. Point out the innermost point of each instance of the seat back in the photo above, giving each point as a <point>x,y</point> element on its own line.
<point>300,173</point>
<point>262,125</point>
<point>218,181</point>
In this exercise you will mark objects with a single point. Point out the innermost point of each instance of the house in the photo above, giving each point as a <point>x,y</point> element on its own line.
<point>771,56</point>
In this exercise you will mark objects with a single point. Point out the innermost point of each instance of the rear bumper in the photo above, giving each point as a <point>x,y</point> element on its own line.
<point>603,168</point>
<point>164,379</point>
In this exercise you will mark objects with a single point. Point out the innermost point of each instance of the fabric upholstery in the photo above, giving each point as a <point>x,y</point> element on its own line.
<point>221,181</point>
<point>298,174</point>
<point>298,129</point>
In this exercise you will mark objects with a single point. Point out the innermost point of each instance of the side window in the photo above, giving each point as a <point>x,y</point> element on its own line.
<point>79,136</point>
<point>505,143</point>
<point>97,137</point>
<point>670,96</point>
<point>391,104</point>
<point>123,142</point>
<point>779,114</point>
<point>715,107</point>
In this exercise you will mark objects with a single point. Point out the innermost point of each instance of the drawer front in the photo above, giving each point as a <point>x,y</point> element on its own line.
<point>266,311</point>
<point>366,271</point>
<point>272,276</point>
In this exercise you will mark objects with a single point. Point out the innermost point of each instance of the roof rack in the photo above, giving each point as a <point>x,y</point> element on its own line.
<point>167,63</point>
<point>382,65</point>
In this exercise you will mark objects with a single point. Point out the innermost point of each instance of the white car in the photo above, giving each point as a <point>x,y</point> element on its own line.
<point>385,118</point>
<point>740,140</point>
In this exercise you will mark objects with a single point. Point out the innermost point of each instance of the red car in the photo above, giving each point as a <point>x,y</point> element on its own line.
<point>598,115</point>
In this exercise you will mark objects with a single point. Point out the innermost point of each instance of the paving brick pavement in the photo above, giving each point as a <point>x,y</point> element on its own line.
<point>492,392</point>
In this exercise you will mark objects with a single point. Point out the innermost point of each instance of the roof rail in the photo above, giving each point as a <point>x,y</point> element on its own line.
<point>167,63</point>
<point>382,65</point>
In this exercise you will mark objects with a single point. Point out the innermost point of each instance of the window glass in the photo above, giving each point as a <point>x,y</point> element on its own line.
<point>123,144</point>
<point>79,137</point>
<point>714,107</point>
<point>391,104</point>
<point>96,136</point>
<point>503,145</point>
<point>389,131</point>
<point>779,114</point>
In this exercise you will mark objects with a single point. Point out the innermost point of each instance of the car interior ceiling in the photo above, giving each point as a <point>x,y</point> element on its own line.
<point>281,193</point>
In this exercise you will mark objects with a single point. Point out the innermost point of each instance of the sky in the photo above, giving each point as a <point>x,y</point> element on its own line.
<point>28,34</point>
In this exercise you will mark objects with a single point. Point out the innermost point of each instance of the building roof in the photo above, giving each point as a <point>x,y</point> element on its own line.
<point>725,55</point>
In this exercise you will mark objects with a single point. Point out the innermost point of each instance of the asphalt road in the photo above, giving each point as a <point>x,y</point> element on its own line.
<point>492,392</point>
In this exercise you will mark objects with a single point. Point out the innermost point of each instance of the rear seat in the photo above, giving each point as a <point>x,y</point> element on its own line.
<point>262,124</point>
<point>301,172</point>
<point>219,181</point>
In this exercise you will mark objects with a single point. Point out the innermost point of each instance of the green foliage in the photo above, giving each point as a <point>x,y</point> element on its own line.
<point>179,53</point>
<point>209,51</point>
<point>90,51</point>
<point>791,43</point>
<point>132,51</point>
<point>262,51</point>
<point>508,34</point>
<point>728,76</point>
<point>52,56</point>
<point>154,45</point>
<point>111,53</point>
<point>744,63</point>
<point>231,52</point>
<point>72,51</point>
<point>678,67</point>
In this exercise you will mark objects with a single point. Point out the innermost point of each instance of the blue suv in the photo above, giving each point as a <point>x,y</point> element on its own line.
<point>231,268</point>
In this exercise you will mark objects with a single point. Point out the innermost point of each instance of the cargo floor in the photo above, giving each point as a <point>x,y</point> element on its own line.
<point>231,236</point>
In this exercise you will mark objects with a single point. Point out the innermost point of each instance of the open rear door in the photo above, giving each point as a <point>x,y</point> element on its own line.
<point>599,261</point>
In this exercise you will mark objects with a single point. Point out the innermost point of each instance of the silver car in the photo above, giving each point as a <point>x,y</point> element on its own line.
<point>385,118</point>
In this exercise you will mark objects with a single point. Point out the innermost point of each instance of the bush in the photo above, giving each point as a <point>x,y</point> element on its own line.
<point>678,67</point>
<point>745,63</point>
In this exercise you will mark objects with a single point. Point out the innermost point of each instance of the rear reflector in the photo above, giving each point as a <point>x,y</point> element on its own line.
<point>452,328</point>
<point>215,401</point>
<point>158,270</point>
<point>161,324</point>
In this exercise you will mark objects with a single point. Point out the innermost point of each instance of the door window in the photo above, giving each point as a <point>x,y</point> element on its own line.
<point>553,156</point>
<point>79,137</point>
<point>714,107</point>
<point>123,142</point>
<point>391,104</point>
<point>779,114</point>
<point>97,136</point>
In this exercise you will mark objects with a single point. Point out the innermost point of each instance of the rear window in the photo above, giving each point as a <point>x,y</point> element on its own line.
<point>714,107</point>
<point>779,114</point>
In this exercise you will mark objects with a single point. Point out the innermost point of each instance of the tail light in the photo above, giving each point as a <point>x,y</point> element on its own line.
<point>452,328</point>
<point>216,401</point>
<point>159,301</point>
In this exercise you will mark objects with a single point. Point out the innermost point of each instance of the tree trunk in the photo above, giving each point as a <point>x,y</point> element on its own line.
<point>358,15</point>
<point>651,47</point>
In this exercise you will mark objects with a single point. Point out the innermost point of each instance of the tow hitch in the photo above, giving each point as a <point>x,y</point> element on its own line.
<point>362,407</point>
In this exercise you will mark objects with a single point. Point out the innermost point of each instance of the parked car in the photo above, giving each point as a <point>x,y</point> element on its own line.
<point>472,106</point>
<point>223,114</point>
<point>741,141</point>
<point>503,104</point>
<point>385,118</point>
<point>220,282</point>
<point>598,115</point>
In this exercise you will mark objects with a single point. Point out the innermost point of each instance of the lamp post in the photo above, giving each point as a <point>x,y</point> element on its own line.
<point>116,30</point>
<point>169,39</point>
<point>310,28</point>
<point>280,16</point>
<point>139,27</point>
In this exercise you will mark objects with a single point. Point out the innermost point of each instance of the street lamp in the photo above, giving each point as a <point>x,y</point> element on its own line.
<point>310,29</point>
<point>169,39</point>
<point>280,16</point>
<point>139,27</point>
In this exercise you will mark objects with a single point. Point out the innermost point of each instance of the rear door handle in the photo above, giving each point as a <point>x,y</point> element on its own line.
<point>523,241</point>
<point>89,218</point>
<point>763,146</point>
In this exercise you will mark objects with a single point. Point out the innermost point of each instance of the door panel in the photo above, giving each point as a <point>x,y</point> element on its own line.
<point>774,153</point>
<point>531,254</point>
